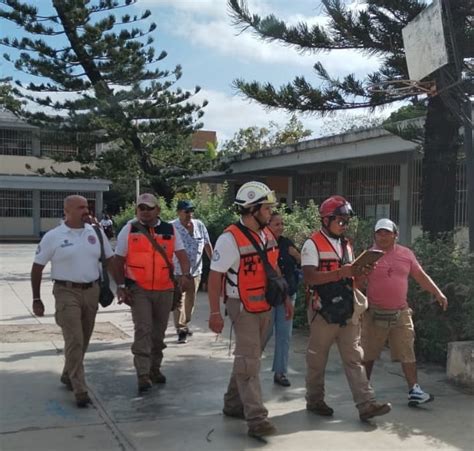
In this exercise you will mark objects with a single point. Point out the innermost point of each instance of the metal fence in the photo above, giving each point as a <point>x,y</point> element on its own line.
<point>374,191</point>
<point>16,203</point>
<point>16,142</point>
<point>52,202</point>
<point>460,208</point>
<point>57,145</point>
<point>317,186</point>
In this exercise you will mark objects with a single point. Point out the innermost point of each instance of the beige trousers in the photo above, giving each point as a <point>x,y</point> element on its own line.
<point>185,308</point>
<point>244,389</point>
<point>75,314</point>
<point>347,338</point>
<point>150,313</point>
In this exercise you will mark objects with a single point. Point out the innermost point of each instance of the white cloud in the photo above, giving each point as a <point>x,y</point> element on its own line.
<point>226,114</point>
<point>210,27</point>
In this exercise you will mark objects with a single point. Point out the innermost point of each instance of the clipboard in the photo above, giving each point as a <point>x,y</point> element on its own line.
<point>368,257</point>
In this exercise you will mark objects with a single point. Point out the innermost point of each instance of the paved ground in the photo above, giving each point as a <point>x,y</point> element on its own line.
<point>38,413</point>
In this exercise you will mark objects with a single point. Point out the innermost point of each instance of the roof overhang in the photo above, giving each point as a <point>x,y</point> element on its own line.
<point>305,156</point>
<point>53,183</point>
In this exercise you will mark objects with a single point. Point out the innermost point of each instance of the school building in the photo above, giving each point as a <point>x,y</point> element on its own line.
<point>30,203</point>
<point>377,171</point>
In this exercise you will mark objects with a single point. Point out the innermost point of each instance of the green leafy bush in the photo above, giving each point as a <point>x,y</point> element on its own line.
<point>452,269</point>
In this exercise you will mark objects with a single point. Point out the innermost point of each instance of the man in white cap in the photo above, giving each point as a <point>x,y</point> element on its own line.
<point>389,316</point>
<point>144,256</point>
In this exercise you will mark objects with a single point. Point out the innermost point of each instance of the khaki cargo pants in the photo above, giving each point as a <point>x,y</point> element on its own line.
<point>76,310</point>
<point>150,313</point>
<point>322,336</point>
<point>185,308</point>
<point>244,389</point>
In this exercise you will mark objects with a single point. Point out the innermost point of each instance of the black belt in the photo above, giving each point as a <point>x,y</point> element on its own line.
<point>82,286</point>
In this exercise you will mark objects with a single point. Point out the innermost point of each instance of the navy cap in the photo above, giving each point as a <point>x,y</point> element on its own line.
<point>185,205</point>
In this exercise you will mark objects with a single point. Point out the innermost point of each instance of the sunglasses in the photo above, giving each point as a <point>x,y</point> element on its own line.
<point>145,208</point>
<point>342,222</point>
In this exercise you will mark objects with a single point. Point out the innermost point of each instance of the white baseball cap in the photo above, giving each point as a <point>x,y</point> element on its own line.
<point>386,224</point>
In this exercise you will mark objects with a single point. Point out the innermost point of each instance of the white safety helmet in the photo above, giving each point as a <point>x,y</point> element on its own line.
<point>251,194</point>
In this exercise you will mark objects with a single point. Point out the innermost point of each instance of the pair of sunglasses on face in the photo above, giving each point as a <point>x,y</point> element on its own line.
<point>342,222</point>
<point>145,208</point>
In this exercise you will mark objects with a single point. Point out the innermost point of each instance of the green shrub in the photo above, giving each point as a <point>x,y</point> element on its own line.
<point>452,270</point>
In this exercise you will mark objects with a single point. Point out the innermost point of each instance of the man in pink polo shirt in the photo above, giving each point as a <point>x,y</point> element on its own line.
<point>389,316</point>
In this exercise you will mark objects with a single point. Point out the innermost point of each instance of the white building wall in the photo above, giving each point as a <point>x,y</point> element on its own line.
<point>16,227</point>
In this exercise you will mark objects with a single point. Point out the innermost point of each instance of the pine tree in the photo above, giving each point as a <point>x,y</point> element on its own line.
<point>373,30</point>
<point>96,78</point>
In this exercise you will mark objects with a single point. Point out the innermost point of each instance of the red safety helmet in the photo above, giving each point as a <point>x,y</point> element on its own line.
<point>335,206</point>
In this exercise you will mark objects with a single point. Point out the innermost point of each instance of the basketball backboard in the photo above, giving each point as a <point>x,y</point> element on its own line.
<point>424,42</point>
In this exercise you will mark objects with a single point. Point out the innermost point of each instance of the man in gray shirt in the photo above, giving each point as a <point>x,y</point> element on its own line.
<point>196,241</point>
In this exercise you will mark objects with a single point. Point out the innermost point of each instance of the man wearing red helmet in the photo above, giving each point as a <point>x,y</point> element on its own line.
<point>326,259</point>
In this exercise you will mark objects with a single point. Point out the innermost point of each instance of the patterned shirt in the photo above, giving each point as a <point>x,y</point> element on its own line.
<point>193,245</point>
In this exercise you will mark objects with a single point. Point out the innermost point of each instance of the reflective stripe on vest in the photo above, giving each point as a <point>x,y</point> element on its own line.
<point>144,264</point>
<point>251,277</point>
<point>329,260</point>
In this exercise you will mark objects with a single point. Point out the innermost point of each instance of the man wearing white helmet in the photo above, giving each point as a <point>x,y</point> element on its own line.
<point>236,263</point>
<point>389,316</point>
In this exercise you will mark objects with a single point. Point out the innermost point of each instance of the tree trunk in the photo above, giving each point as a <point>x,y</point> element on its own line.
<point>439,169</point>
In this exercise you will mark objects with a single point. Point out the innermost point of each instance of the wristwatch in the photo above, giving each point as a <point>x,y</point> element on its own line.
<point>121,285</point>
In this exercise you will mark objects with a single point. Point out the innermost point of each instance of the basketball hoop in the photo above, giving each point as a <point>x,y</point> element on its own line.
<point>404,88</point>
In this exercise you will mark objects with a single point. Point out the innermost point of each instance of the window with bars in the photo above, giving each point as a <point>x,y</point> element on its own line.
<point>52,202</point>
<point>373,191</point>
<point>317,186</point>
<point>58,145</point>
<point>16,203</point>
<point>16,142</point>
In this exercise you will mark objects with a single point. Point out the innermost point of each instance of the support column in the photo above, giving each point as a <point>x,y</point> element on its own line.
<point>35,144</point>
<point>289,197</point>
<point>99,204</point>
<point>36,196</point>
<point>405,202</point>
<point>340,182</point>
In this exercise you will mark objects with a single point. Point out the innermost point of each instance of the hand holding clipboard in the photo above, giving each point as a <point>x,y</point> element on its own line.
<point>365,262</point>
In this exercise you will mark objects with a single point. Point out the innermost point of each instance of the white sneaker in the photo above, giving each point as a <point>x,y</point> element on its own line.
<point>417,396</point>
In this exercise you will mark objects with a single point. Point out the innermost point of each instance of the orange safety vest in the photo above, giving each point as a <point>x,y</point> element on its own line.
<point>251,277</point>
<point>143,264</point>
<point>329,260</point>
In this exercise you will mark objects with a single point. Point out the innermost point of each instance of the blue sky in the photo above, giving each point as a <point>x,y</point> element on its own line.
<point>199,35</point>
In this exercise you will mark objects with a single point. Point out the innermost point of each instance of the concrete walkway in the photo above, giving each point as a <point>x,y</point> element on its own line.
<point>38,413</point>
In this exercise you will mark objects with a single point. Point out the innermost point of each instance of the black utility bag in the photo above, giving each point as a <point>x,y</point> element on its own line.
<point>337,302</point>
<point>337,298</point>
<point>277,287</point>
<point>178,292</point>
<point>106,296</point>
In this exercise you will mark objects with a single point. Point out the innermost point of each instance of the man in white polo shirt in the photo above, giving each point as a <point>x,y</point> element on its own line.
<point>73,248</point>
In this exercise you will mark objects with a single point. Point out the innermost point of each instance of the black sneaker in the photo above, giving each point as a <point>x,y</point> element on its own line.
<point>182,337</point>
<point>144,383</point>
<point>82,399</point>
<point>157,377</point>
<point>281,379</point>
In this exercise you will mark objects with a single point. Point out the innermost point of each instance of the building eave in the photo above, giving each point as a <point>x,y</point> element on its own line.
<point>53,183</point>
